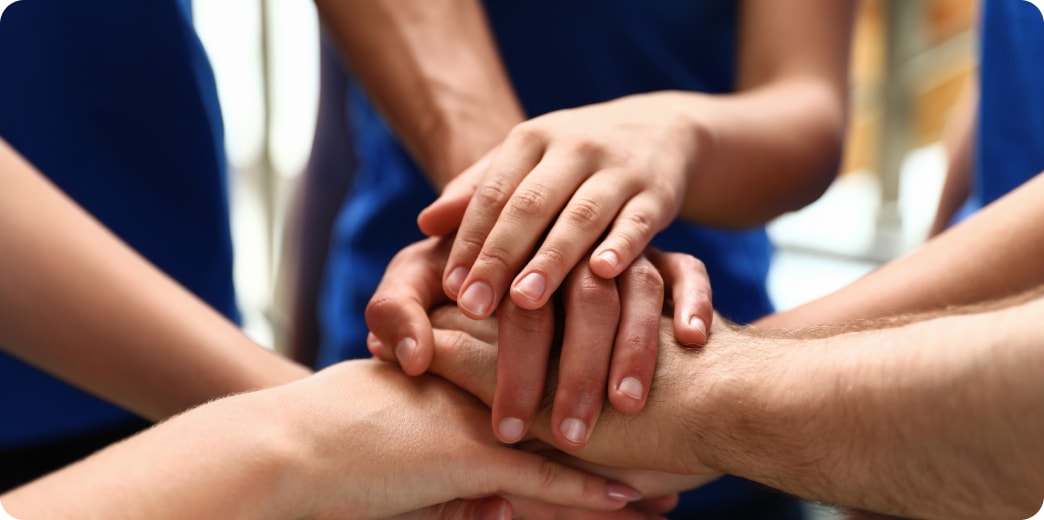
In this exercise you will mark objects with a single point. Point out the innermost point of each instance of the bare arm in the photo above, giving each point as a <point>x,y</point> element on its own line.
<point>993,254</point>
<point>938,418</point>
<point>78,303</point>
<point>293,452</point>
<point>607,177</point>
<point>432,68</point>
<point>960,134</point>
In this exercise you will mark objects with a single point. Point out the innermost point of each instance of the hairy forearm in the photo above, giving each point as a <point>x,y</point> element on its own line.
<point>991,255</point>
<point>76,302</point>
<point>938,418</point>
<point>432,68</point>
<point>246,468</point>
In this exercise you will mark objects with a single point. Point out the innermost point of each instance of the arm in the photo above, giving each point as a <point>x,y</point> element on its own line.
<point>958,139</point>
<point>433,70</point>
<point>293,452</point>
<point>76,302</point>
<point>993,254</point>
<point>938,418</point>
<point>627,168</point>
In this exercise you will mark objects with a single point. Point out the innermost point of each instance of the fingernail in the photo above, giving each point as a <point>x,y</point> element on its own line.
<point>632,387</point>
<point>610,257</point>
<point>622,493</point>
<point>574,429</point>
<point>455,280</point>
<point>493,510</point>
<point>477,299</point>
<point>511,429</point>
<point>698,324</point>
<point>404,349</point>
<point>532,286</point>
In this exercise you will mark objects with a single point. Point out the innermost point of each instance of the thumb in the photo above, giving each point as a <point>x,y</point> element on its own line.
<point>444,215</point>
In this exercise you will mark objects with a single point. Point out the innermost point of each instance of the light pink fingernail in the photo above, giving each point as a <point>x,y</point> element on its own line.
<point>510,429</point>
<point>610,257</point>
<point>574,429</point>
<point>532,286</point>
<point>632,387</point>
<point>477,299</point>
<point>455,280</point>
<point>622,493</point>
<point>697,323</point>
<point>404,349</point>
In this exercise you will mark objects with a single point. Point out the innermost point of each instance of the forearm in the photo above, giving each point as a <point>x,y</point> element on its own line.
<point>432,68</point>
<point>246,468</point>
<point>993,254</point>
<point>935,419</point>
<point>958,141</point>
<point>759,153</point>
<point>76,302</point>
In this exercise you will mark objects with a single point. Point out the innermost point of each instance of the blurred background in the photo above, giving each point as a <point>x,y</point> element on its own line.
<point>912,60</point>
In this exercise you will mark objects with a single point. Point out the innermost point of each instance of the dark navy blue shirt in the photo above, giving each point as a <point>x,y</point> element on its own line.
<point>1010,140</point>
<point>114,100</point>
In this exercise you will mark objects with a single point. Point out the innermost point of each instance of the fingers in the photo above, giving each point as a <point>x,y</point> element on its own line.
<point>512,162</point>
<point>637,341</point>
<point>634,228</point>
<point>592,310</point>
<point>467,362</point>
<point>584,219</point>
<point>531,476</point>
<point>443,216</point>
<point>524,347</point>
<point>691,292</point>
<point>494,508</point>
<point>535,510</point>
<point>397,314</point>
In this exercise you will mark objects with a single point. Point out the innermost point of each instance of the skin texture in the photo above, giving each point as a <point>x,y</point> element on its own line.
<point>433,71</point>
<point>293,452</point>
<point>127,333</point>
<point>632,165</point>
<point>398,313</point>
<point>927,417</point>
<point>203,463</point>
<point>599,181</point>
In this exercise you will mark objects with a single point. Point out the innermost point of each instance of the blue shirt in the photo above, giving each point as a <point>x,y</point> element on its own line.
<point>1010,140</point>
<point>558,55</point>
<point>114,100</point>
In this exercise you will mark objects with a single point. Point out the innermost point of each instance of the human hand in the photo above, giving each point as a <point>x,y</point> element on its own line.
<point>664,486</point>
<point>397,316</point>
<point>657,438</point>
<point>375,443</point>
<point>619,166</point>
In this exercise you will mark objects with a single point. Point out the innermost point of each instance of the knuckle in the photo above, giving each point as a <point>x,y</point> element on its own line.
<point>551,255</point>
<point>470,241</point>
<point>584,146</point>
<point>594,291</point>
<point>584,213</point>
<point>528,203</point>
<point>646,276</point>
<point>549,473</point>
<point>641,224</point>
<point>498,257</point>
<point>494,192</point>
<point>380,307</point>
<point>527,132</point>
